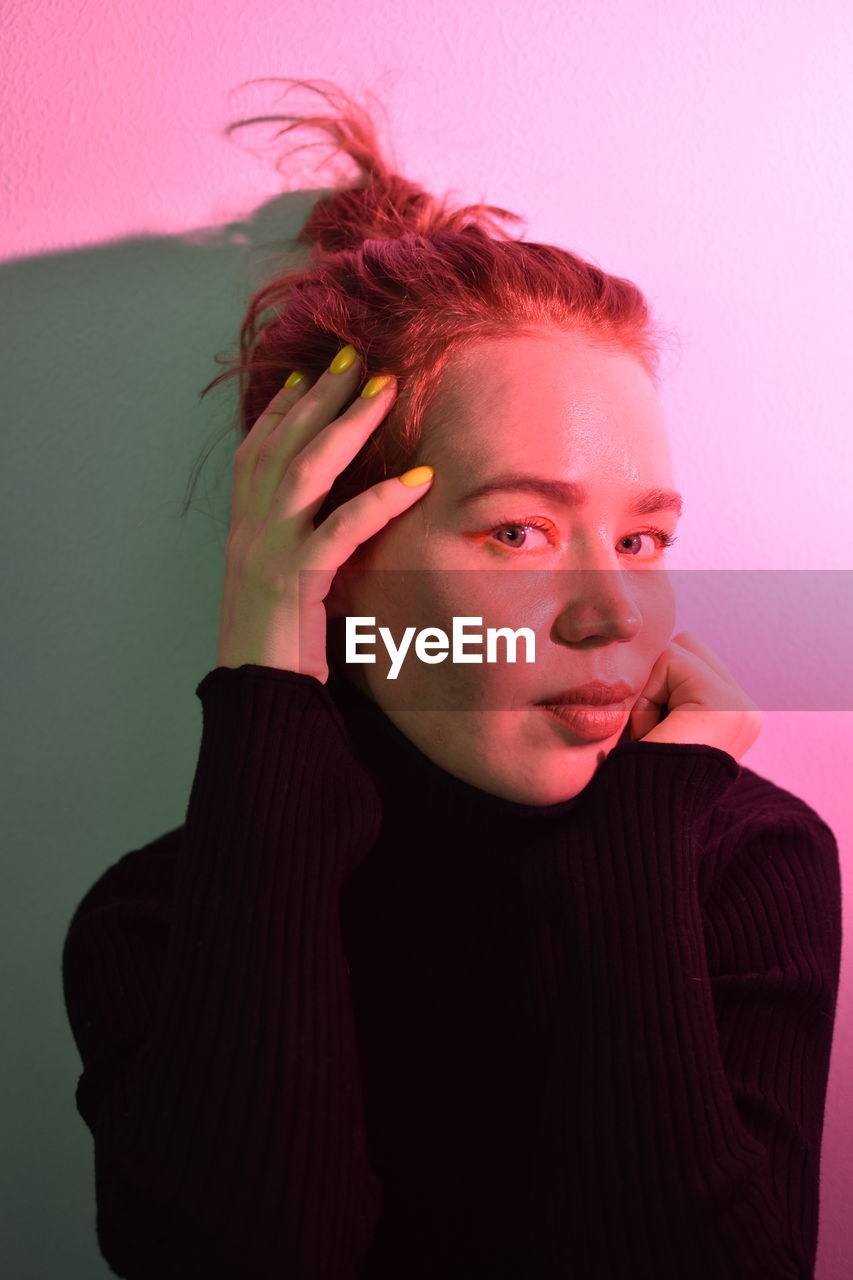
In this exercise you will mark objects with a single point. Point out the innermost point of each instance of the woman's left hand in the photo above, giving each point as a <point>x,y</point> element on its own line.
<point>706,704</point>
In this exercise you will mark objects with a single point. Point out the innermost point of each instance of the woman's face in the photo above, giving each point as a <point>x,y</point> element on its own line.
<point>585,577</point>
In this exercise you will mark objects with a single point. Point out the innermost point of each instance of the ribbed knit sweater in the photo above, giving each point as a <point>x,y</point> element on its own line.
<point>357,1018</point>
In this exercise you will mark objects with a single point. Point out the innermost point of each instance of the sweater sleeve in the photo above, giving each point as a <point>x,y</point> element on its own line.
<point>705,1034</point>
<point>226,1104</point>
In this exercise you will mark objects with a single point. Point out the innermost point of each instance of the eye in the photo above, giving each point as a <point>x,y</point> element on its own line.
<point>663,539</point>
<point>519,529</point>
<point>519,538</point>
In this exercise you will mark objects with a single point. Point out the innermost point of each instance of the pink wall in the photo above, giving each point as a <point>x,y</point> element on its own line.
<point>703,150</point>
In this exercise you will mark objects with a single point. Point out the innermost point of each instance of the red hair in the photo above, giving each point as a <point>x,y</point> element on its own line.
<point>411,282</point>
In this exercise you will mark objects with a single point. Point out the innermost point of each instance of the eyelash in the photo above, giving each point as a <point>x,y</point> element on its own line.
<point>664,540</point>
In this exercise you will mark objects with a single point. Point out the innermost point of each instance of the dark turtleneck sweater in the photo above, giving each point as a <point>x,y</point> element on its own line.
<point>357,1018</point>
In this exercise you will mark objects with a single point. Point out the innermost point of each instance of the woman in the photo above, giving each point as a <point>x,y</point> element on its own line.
<point>442,977</point>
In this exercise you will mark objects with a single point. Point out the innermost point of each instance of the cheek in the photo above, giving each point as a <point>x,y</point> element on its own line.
<point>659,609</point>
<point>432,596</point>
<point>539,599</point>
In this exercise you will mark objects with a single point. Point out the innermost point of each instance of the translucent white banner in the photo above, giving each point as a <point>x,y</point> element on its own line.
<point>498,638</point>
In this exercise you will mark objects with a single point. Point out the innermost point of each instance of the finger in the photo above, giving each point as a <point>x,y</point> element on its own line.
<point>245,458</point>
<point>320,407</point>
<point>645,714</point>
<point>315,468</point>
<point>690,641</point>
<point>359,519</point>
<point>657,689</point>
<point>675,666</point>
<point>265,458</point>
<point>280,405</point>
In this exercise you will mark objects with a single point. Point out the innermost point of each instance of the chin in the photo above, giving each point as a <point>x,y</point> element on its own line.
<point>539,791</point>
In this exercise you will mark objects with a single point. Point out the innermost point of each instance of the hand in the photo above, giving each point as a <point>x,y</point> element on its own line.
<point>271,614</point>
<point>705,703</point>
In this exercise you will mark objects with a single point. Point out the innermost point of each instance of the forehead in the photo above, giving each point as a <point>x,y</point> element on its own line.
<point>547,402</point>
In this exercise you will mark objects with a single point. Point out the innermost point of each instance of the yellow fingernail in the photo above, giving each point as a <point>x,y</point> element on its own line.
<point>417,475</point>
<point>343,359</point>
<point>294,379</point>
<point>375,385</point>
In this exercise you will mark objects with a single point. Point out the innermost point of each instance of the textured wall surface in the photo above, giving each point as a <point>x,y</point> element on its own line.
<point>702,150</point>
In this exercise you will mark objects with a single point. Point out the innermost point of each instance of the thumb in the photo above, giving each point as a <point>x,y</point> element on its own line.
<point>644,717</point>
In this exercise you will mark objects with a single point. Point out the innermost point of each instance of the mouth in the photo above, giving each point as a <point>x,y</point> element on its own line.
<point>595,693</point>
<point>587,721</point>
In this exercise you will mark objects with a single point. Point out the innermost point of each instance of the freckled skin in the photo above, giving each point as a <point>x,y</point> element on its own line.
<point>546,405</point>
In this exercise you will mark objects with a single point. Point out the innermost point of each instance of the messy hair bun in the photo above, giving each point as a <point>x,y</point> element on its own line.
<point>410,280</point>
<point>381,204</point>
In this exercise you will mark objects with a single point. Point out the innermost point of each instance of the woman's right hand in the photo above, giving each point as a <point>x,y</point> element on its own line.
<point>270,615</point>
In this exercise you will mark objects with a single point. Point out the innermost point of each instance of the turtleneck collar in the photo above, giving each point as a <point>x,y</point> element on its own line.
<point>406,777</point>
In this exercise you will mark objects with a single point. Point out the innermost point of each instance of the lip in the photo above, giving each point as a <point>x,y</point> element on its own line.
<point>593,694</point>
<point>589,722</point>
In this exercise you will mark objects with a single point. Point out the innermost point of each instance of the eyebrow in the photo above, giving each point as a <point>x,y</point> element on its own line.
<point>572,494</point>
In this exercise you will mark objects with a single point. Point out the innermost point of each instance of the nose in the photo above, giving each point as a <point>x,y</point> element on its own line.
<point>596,602</point>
